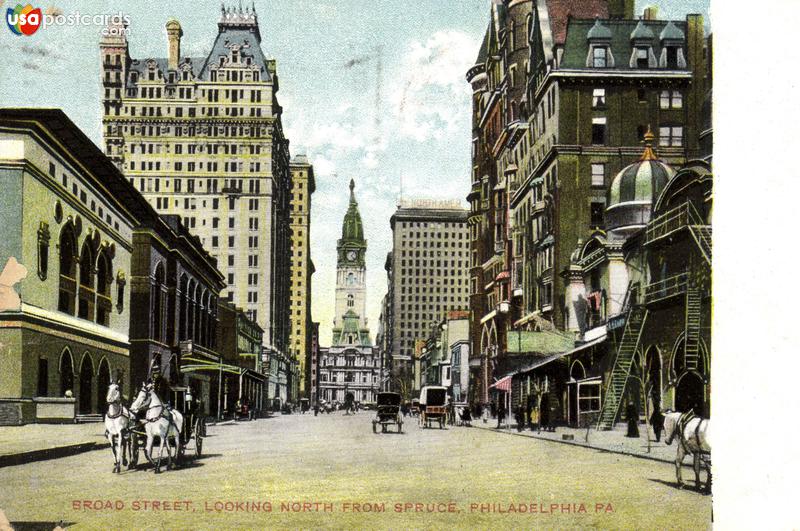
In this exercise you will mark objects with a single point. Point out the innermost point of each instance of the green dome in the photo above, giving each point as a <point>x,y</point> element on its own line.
<point>635,189</point>
<point>598,31</point>
<point>671,32</point>
<point>642,32</point>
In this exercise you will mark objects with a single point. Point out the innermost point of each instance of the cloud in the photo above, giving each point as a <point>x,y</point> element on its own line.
<point>430,96</point>
<point>323,165</point>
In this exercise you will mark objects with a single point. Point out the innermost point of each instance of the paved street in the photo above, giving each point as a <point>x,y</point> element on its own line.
<point>336,460</point>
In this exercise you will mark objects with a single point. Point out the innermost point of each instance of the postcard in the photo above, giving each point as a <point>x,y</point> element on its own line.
<point>335,264</point>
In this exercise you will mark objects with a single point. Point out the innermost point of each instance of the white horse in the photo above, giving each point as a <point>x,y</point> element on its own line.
<point>118,421</point>
<point>693,438</point>
<point>158,421</point>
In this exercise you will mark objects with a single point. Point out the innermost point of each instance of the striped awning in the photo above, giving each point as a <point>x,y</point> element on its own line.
<point>503,384</point>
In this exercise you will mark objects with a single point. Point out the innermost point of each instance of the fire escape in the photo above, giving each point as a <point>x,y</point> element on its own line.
<point>636,316</point>
<point>682,217</point>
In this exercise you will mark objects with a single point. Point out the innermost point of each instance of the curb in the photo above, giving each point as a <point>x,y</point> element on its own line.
<point>579,445</point>
<point>45,454</point>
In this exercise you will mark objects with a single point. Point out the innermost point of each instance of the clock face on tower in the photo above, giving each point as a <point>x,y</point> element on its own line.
<point>351,255</point>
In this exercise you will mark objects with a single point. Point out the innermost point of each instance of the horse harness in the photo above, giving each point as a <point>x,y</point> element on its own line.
<point>121,411</point>
<point>685,419</point>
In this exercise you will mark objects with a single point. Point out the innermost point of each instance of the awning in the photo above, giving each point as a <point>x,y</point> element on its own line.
<point>191,364</point>
<point>548,359</point>
<point>503,384</point>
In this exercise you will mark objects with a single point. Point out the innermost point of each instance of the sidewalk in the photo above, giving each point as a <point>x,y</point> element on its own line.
<point>36,442</point>
<point>613,441</point>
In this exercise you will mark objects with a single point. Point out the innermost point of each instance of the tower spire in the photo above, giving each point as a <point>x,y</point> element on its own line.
<point>352,193</point>
<point>649,152</point>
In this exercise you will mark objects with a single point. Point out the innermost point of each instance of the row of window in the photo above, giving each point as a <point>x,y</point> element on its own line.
<point>155,148</point>
<point>185,130</point>
<point>81,194</point>
<point>85,277</point>
<point>669,135</point>
<point>192,167</point>
<point>667,99</point>
<point>643,58</point>
<point>191,112</point>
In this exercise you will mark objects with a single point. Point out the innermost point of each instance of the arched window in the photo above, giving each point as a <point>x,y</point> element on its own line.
<point>212,339</point>
<point>120,292</point>
<point>183,308</point>
<point>190,303</point>
<point>157,297</point>
<point>350,301</point>
<point>43,246</point>
<point>202,317</point>
<point>66,371</point>
<point>103,381</point>
<point>103,289</point>
<point>68,250</point>
<point>85,384</point>
<point>86,280</point>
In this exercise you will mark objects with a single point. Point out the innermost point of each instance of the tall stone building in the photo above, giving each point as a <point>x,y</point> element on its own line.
<point>352,363</point>
<point>201,138</point>
<point>427,278</point>
<point>547,142</point>
<point>301,270</point>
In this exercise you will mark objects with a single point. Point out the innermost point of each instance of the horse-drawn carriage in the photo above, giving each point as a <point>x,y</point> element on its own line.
<point>433,406</point>
<point>415,407</point>
<point>388,412</point>
<point>149,421</point>
<point>175,426</point>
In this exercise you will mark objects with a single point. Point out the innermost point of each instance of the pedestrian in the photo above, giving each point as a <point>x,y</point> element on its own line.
<point>501,416</point>
<point>544,415</point>
<point>632,416</point>
<point>316,407</point>
<point>657,421</point>
<point>520,418</point>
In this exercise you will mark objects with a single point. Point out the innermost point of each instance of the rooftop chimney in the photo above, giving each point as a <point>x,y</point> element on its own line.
<point>174,34</point>
<point>650,13</point>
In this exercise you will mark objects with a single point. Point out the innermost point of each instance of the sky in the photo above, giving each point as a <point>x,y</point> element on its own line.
<point>404,132</point>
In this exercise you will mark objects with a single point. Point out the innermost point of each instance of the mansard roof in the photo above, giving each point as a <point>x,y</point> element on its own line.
<point>576,44</point>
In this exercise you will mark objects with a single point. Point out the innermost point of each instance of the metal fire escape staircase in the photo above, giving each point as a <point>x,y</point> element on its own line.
<point>615,389</point>
<point>701,232</point>
<point>692,336</point>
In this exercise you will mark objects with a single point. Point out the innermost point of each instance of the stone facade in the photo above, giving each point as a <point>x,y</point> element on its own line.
<point>202,138</point>
<point>554,118</point>
<point>65,312</point>
<point>427,279</point>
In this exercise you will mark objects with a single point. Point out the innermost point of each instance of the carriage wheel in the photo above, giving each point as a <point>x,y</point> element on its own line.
<point>198,437</point>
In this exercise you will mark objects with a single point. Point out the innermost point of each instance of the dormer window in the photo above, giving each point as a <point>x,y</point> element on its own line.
<point>599,39</point>
<point>642,57</point>
<point>600,57</point>
<point>672,57</point>
<point>134,77</point>
<point>186,75</point>
<point>672,40</point>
